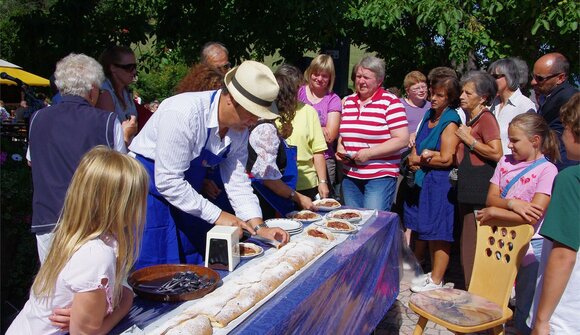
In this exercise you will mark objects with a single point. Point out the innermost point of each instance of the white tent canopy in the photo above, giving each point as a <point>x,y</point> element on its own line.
<point>4,63</point>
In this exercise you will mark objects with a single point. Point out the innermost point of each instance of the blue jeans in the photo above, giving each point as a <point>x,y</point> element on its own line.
<point>375,193</point>
<point>525,288</point>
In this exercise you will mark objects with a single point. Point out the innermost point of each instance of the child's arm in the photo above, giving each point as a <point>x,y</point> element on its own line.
<point>89,312</point>
<point>529,212</point>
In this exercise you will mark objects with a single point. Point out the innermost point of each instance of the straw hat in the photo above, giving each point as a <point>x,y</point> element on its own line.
<point>254,86</point>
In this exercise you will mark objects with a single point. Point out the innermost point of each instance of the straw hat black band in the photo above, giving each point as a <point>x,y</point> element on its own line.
<point>249,95</point>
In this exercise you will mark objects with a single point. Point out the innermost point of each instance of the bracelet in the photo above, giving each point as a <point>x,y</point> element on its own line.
<point>322,181</point>
<point>472,146</point>
<point>292,194</point>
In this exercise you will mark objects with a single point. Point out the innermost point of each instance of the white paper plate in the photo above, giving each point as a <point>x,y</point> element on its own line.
<point>259,249</point>
<point>323,208</point>
<point>355,220</point>
<point>291,214</point>
<point>286,224</point>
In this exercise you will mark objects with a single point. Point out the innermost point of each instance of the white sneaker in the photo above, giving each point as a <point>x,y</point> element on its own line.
<point>420,279</point>
<point>427,285</point>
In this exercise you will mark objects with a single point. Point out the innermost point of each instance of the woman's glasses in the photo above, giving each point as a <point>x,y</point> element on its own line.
<point>498,75</point>
<point>127,67</point>
<point>418,88</point>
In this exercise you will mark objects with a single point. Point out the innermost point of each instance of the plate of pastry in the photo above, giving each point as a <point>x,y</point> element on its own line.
<point>319,232</point>
<point>339,226</point>
<point>249,250</point>
<point>351,215</point>
<point>327,204</point>
<point>304,216</point>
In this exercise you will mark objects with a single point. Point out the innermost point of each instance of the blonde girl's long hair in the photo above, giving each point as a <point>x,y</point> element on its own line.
<point>534,124</point>
<point>107,197</point>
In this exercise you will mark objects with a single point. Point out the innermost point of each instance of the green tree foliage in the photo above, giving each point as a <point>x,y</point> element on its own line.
<point>46,31</point>
<point>250,29</point>
<point>409,34</point>
<point>464,34</point>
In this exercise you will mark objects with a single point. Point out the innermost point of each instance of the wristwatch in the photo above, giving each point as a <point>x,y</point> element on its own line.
<point>322,181</point>
<point>261,225</point>
<point>292,194</point>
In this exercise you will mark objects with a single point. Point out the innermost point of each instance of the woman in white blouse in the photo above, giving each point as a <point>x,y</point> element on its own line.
<point>509,102</point>
<point>271,161</point>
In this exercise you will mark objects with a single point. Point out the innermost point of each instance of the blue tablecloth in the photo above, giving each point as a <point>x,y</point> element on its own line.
<point>347,291</point>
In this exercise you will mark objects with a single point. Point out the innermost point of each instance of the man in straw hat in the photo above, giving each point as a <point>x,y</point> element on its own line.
<point>189,133</point>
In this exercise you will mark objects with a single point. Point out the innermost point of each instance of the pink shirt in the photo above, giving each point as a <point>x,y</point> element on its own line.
<point>537,180</point>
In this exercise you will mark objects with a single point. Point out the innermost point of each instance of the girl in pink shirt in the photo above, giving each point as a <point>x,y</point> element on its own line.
<point>520,191</point>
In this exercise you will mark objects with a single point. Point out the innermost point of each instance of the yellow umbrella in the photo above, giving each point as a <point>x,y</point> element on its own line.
<point>26,77</point>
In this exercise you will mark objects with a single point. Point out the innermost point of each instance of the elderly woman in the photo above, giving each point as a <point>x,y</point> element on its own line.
<point>373,131</point>
<point>430,210</point>
<point>509,101</point>
<point>60,134</point>
<point>477,155</point>
<point>318,93</point>
<point>415,102</point>
<point>120,69</point>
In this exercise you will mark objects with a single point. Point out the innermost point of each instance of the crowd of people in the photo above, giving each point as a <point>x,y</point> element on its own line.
<point>236,146</point>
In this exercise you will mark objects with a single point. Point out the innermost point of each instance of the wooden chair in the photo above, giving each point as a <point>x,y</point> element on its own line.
<point>499,250</point>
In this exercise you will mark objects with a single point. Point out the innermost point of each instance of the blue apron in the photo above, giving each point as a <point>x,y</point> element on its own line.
<point>289,177</point>
<point>172,236</point>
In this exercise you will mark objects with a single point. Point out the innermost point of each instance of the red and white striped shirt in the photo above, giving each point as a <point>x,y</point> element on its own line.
<point>369,125</point>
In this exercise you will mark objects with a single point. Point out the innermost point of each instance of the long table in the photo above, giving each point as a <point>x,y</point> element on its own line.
<point>347,291</point>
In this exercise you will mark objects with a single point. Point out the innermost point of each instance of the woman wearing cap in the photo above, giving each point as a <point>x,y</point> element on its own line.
<point>318,93</point>
<point>509,102</point>
<point>120,69</point>
<point>189,133</point>
<point>373,131</point>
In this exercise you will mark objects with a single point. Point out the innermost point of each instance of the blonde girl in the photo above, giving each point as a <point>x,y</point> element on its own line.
<point>520,191</point>
<point>96,242</point>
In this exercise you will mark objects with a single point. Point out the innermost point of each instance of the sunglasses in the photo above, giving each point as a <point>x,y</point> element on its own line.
<point>541,79</point>
<point>127,67</point>
<point>498,75</point>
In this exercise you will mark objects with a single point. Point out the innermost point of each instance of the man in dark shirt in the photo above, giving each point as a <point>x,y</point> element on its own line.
<point>550,79</point>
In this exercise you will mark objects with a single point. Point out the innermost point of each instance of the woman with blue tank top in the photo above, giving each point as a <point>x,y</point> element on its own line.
<point>120,69</point>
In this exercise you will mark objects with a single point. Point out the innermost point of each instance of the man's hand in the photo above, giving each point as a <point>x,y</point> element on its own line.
<point>277,234</point>
<point>210,189</point>
<point>227,219</point>
<point>60,318</point>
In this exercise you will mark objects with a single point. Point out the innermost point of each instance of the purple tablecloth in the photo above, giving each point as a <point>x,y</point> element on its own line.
<point>347,291</point>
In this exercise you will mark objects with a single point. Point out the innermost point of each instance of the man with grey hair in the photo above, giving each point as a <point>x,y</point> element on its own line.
<point>61,134</point>
<point>215,54</point>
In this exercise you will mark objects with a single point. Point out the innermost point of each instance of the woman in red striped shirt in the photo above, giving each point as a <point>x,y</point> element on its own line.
<point>373,130</point>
